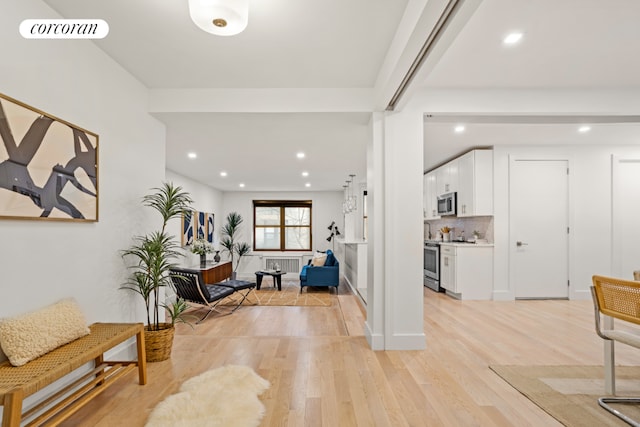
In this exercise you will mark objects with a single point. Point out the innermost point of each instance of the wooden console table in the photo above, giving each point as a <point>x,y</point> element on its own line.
<point>213,273</point>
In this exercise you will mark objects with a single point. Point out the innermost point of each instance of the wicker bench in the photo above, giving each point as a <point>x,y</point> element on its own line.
<point>16,383</point>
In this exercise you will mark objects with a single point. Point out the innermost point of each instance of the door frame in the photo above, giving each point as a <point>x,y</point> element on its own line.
<point>616,230</point>
<point>513,158</point>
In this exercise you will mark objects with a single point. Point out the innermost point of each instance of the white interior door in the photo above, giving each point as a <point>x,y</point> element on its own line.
<point>626,208</point>
<point>539,220</point>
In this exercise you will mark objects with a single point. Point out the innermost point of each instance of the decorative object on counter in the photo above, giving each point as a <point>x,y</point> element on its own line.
<point>445,233</point>
<point>216,257</point>
<point>154,254</point>
<point>202,247</point>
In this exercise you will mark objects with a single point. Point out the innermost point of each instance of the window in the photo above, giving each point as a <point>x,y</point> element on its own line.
<point>281,225</point>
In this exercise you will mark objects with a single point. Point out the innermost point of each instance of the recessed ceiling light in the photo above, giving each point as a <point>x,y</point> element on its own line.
<point>584,129</point>
<point>223,173</point>
<point>512,38</point>
<point>305,173</point>
<point>308,184</point>
<point>300,155</point>
<point>241,185</point>
<point>458,129</point>
<point>192,155</point>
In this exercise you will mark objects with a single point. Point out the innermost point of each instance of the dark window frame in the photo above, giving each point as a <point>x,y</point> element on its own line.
<point>282,204</point>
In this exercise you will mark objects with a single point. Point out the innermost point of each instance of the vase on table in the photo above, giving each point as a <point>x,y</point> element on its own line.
<point>216,257</point>
<point>203,260</point>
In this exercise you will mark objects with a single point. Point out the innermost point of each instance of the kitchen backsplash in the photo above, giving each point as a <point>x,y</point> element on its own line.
<point>483,224</point>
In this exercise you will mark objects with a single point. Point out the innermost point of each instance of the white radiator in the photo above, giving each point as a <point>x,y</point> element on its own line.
<point>288,264</point>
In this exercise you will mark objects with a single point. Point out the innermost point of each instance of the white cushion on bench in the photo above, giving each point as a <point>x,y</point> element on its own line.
<point>28,336</point>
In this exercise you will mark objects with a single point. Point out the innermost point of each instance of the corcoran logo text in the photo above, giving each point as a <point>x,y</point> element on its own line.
<point>64,29</point>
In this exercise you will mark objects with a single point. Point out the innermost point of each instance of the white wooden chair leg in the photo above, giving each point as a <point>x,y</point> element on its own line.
<point>609,360</point>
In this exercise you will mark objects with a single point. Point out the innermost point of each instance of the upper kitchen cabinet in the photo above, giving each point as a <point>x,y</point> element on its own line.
<point>430,196</point>
<point>475,183</point>
<point>447,178</point>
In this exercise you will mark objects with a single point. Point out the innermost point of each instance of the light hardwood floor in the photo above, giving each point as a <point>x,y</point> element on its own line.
<point>323,373</point>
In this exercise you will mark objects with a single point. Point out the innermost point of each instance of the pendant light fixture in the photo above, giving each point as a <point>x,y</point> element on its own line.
<point>220,17</point>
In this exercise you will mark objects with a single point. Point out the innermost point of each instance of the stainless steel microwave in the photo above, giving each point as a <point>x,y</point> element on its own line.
<point>447,204</point>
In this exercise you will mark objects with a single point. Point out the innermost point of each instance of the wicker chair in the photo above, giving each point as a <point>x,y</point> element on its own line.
<point>619,299</point>
<point>190,287</point>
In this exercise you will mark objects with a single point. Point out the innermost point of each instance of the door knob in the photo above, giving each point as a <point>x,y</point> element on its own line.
<point>519,243</point>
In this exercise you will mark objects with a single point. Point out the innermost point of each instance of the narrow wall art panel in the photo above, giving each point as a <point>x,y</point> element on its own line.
<point>188,227</point>
<point>202,225</point>
<point>210,227</point>
<point>48,167</point>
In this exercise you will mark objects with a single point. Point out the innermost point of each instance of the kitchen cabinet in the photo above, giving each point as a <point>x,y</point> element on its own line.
<point>448,268</point>
<point>475,183</point>
<point>466,270</point>
<point>430,196</point>
<point>447,178</point>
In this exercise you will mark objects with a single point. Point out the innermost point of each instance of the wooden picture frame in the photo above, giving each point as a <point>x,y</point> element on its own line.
<point>188,227</point>
<point>48,166</point>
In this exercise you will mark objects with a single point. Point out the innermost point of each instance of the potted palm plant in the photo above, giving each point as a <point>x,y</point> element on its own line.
<point>228,241</point>
<point>153,257</point>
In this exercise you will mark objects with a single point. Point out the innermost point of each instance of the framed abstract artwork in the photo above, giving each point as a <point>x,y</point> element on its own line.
<point>202,225</point>
<point>188,227</point>
<point>48,166</point>
<point>210,227</point>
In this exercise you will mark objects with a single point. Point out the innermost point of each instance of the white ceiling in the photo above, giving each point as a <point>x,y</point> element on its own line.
<point>343,44</point>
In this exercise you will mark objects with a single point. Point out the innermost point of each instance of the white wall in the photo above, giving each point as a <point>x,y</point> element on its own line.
<point>205,199</point>
<point>327,207</point>
<point>44,261</point>
<point>590,241</point>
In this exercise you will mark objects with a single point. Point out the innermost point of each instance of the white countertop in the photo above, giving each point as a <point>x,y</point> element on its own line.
<point>466,245</point>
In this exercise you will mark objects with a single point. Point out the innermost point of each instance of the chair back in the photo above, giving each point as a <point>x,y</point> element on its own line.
<point>618,298</point>
<point>189,285</point>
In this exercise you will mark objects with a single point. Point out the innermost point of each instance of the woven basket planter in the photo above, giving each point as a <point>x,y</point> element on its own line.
<point>158,344</point>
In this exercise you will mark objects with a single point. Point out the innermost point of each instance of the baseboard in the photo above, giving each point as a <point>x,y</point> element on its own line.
<point>376,341</point>
<point>503,296</point>
<point>406,342</point>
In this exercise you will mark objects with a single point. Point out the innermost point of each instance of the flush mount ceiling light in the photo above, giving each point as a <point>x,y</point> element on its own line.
<point>584,129</point>
<point>192,155</point>
<point>223,174</point>
<point>308,184</point>
<point>300,155</point>
<point>241,185</point>
<point>458,129</point>
<point>220,17</point>
<point>305,173</point>
<point>512,38</point>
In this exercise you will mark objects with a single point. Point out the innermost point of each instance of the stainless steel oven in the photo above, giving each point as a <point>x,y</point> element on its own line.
<point>432,265</point>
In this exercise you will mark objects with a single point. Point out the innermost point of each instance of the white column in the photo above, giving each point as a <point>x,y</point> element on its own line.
<point>395,291</point>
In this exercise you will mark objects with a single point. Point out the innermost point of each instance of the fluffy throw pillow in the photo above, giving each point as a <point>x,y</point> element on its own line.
<point>28,336</point>
<point>318,259</point>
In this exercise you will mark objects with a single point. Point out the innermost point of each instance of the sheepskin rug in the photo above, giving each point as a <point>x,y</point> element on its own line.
<point>226,396</point>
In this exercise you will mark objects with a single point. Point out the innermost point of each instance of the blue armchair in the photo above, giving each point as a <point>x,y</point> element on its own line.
<point>327,275</point>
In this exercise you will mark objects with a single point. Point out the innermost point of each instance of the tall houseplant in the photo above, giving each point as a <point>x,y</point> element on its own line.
<point>228,241</point>
<point>153,256</point>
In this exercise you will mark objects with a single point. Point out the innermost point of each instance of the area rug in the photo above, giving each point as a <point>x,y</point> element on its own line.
<point>290,295</point>
<point>570,393</point>
<point>226,396</point>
